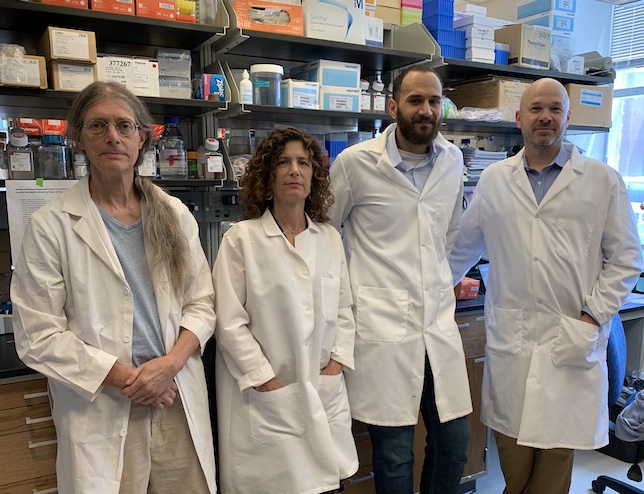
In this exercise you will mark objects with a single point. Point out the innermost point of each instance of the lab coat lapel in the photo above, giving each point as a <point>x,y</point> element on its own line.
<point>90,227</point>
<point>520,177</point>
<point>567,176</point>
<point>386,167</point>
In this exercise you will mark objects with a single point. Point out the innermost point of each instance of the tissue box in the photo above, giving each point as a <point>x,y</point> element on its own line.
<point>211,87</point>
<point>272,17</point>
<point>469,289</point>
<point>335,20</point>
<point>299,94</point>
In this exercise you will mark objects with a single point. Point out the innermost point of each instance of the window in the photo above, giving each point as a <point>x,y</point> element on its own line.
<point>626,136</point>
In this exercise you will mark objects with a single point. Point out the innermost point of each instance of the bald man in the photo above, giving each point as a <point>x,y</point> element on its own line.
<point>564,253</point>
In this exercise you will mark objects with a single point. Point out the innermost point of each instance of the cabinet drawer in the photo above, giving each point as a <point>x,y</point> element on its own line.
<point>23,419</point>
<point>41,485</point>
<point>23,393</point>
<point>472,329</point>
<point>28,455</point>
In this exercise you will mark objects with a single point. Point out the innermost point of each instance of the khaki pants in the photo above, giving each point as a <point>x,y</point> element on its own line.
<point>531,470</point>
<point>160,457</point>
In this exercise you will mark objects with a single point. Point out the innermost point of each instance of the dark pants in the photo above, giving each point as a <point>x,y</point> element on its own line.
<point>445,451</point>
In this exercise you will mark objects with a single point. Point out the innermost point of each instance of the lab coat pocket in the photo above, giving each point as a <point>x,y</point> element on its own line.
<point>575,344</point>
<point>504,330</point>
<point>330,290</point>
<point>446,322</point>
<point>573,237</point>
<point>333,396</point>
<point>277,415</point>
<point>382,314</point>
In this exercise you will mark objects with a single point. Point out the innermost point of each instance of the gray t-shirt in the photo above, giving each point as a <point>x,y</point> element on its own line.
<point>147,337</point>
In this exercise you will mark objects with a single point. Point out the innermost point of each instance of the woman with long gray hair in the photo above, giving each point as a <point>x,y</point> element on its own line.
<point>113,303</point>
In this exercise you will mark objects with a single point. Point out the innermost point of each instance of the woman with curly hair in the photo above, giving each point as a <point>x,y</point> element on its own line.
<point>285,329</point>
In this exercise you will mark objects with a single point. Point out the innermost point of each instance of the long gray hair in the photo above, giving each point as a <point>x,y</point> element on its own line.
<point>165,243</point>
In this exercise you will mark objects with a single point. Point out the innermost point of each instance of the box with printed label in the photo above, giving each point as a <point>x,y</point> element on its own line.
<point>374,31</point>
<point>527,8</point>
<point>479,32</point>
<point>490,93</point>
<point>329,73</point>
<point>119,6</point>
<point>156,9</point>
<point>299,94</point>
<point>335,20</point>
<point>558,22</point>
<point>116,69</point>
<point>69,76</point>
<point>30,126</point>
<point>469,289</point>
<point>145,77</point>
<point>272,17</point>
<point>26,71</point>
<point>210,87</point>
<point>574,65</point>
<point>70,45</point>
<point>339,99</point>
<point>473,20</point>
<point>529,45</point>
<point>590,105</point>
<point>77,4</point>
<point>54,126</point>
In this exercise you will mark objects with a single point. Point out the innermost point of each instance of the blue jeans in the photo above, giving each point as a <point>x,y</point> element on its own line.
<point>445,451</point>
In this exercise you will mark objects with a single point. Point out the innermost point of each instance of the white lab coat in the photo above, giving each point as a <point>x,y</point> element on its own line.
<point>545,379</point>
<point>397,241</point>
<point>283,312</point>
<point>72,316</point>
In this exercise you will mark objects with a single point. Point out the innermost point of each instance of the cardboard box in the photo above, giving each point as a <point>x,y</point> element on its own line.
<point>469,289</point>
<point>473,20</point>
<point>486,44</point>
<point>529,45</point>
<point>30,126</point>
<point>78,4</point>
<point>490,93</point>
<point>558,22</point>
<point>156,9</point>
<point>116,69</point>
<point>69,76</point>
<point>590,105</point>
<point>389,15</point>
<point>299,94</point>
<point>340,20</point>
<point>329,73</point>
<point>484,55</point>
<point>27,71</point>
<point>145,77</point>
<point>527,8</point>
<point>272,17</point>
<point>70,45</point>
<point>392,4</point>
<point>119,6</point>
<point>339,99</point>
<point>480,32</point>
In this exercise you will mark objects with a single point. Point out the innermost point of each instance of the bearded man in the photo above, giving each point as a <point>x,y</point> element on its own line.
<point>398,198</point>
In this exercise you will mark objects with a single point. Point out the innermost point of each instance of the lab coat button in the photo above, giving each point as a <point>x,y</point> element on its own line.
<point>536,216</point>
<point>126,291</point>
<point>126,339</point>
<point>538,343</point>
<point>536,258</point>
<point>539,301</point>
<point>123,433</point>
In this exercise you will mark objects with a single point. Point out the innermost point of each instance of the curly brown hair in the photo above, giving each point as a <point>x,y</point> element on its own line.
<point>257,181</point>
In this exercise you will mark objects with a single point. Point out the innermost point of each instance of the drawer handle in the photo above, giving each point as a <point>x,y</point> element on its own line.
<point>361,434</point>
<point>361,479</point>
<point>464,325</point>
<point>29,420</point>
<point>46,491</point>
<point>42,443</point>
<point>30,396</point>
<point>480,318</point>
<point>479,360</point>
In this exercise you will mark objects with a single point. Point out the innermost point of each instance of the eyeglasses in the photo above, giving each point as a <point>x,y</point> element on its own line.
<point>98,128</point>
